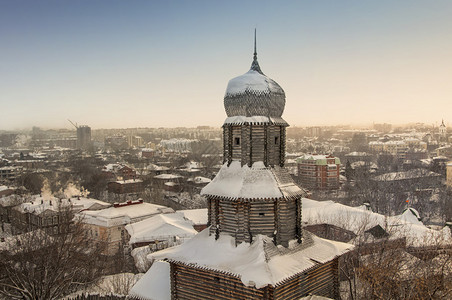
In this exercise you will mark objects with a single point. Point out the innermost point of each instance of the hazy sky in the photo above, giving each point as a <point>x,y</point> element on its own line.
<point>167,63</point>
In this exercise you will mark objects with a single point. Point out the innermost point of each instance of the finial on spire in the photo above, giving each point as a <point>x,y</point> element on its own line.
<point>255,48</point>
<point>255,64</point>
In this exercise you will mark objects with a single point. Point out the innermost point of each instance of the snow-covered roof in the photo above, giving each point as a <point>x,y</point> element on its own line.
<point>3,188</point>
<point>154,167</point>
<point>41,203</point>
<point>410,174</point>
<point>319,159</point>
<point>258,182</point>
<point>167,176</point>
<point>125,214</point>
<point>254,94</point>
<point>257,264</point>
<point>361,163</point>
<point>255,120</point>
<point>11,200</point>
<point>359,219</point>
<point>160,227</point>
<point>201,180</point>
<point>112,167</point>
<point>197,216</point>
<point>251,80</point>
<point>129,181</point>
<point>155,284</point>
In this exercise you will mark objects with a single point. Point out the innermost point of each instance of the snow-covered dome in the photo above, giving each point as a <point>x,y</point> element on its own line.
<point>254,94</point>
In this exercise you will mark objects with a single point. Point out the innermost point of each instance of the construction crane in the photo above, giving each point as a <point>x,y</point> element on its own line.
<point>75,125</point>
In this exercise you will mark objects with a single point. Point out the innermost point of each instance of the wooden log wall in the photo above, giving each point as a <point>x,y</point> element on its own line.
<point>258,146</point>
<point>321,280</point>
<point>226,144</point>
<point>193,283</point>
<point>228,218</point>
<point>245,219</point>
<point>282,153</point>
<point>188,282</point>
<point>262,218</point>
<point>246,144</point>
<point>236,147</point>
<point>250,143</point>
<point>287,225</point>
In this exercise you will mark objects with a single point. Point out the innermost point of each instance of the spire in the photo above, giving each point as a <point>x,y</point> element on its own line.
<point>255,48</point>
<point>255,65</point>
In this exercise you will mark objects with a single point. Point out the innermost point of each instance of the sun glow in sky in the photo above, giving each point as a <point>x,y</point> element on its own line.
<point>167,63</point>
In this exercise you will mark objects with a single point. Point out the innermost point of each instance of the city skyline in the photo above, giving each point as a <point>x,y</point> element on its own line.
<point>166,64</point>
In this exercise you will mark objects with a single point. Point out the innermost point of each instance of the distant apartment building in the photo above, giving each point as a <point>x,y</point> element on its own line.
<point>135,141</point>
<point>9,173</point>
<point>398,148</point>
<point>318,171</point>
<point>83,137</point>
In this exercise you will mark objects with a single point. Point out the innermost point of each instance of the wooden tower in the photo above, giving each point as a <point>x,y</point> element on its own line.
<point>255,247</point>
<point>254,143</point>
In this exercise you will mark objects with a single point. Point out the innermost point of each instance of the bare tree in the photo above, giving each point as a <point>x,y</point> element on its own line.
<point>390,269</point>
<point>36,265</point>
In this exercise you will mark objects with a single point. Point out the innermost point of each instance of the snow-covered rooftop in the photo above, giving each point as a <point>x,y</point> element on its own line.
<point>319,159</point>
<point>252,81</point>
<point>167,176</point>
<point>155,284</point>
<point>255,120</point>
<point>410,174</point>
<point>41,203</point>
<point>160,227</point>
<point>201,180</point>
<point>257,264</point>
<point>3,188</point>
<point>359,219</point>
<point>126,214</point>
<point>197,216</point>
<point>129,181</point>
<point>258,182</point>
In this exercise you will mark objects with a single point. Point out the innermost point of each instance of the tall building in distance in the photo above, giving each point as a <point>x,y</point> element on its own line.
<point>255,247</point>
<point>319,171</point>
<point>83,137</point>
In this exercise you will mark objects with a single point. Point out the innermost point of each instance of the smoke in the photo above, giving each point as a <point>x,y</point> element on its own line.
<point>22,141</point>
<point>72,190</point>
<point>46,192</point>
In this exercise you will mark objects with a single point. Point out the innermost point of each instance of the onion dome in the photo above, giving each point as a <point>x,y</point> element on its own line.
<point>254,94</point>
